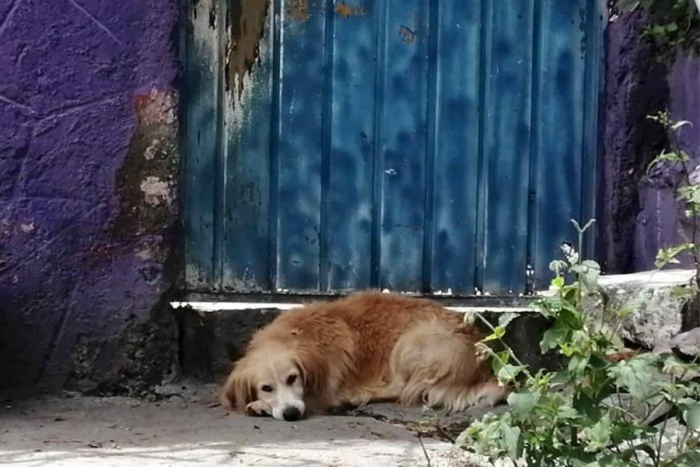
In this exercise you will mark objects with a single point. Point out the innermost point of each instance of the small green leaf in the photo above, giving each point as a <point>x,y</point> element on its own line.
<point>689,193</point>
<point>512,441</point>
<point>598,363</point>
<point>501,358</point>
<point>523,403</point>
<point>636,376</point>
<point>682,292</point>
<point>588,272</point>
<point>508,373</point>
<point>558,282</point>
<point>680,124</point>
<point>670,255</point>
<point>570,318</point>
<point>578,364</point>
<point>667,157</point>
<point>505,319</point>
<point>626,6</point>
<point>692,417</point>
<point>498,333</point>
<point>553,338</point>
<point>658,29</point>
<point>688,459</point>
<point>597,437</point>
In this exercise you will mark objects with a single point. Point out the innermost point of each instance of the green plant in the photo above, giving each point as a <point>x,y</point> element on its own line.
<point>672,22</point>
<point>599,409</point>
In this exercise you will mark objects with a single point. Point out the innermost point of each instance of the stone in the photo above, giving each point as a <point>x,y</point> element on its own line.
<point>687,343</point>
<point>657,313</point>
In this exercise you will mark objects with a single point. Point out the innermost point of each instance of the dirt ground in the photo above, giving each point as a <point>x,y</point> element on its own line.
<point>190,429</point>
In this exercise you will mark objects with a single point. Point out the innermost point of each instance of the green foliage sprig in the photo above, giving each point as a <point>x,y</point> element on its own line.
<point>673,23</point>
<point>598,410</point>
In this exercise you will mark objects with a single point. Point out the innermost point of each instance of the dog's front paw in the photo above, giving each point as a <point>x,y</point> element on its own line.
<point>258,409</point>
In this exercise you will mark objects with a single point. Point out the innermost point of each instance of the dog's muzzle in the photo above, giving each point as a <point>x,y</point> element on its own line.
<point>291,414</point>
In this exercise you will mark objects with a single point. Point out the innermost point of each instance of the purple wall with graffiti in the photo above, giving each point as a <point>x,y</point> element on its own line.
<point>88,170</point>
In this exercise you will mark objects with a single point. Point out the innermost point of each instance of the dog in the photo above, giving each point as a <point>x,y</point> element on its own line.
<point>367,347</point>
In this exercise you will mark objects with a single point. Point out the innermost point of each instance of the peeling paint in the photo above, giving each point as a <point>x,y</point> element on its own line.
<point>156,107</point>
<point>150,152</point>
<point>346,11</point>
<point>26,228</point>
<point>145,254</point>
<point>407,34</point>
<point>298,10</point>
<point>156,191</point>
<point>247,27</point>
<point>146,180</point>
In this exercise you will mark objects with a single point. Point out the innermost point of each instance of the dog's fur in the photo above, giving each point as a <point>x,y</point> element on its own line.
<point>365,348</point>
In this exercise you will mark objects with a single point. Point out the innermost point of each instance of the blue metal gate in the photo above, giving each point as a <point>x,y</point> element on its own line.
<point>413,145</point>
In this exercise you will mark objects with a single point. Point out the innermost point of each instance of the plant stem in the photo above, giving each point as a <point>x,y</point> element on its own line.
<point>676,147</point>
<point>505,346</point>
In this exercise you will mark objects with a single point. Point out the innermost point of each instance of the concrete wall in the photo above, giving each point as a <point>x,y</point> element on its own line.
<point>88,170</point>
<point>638,214</point>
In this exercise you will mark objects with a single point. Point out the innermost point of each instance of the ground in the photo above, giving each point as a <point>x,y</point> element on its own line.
<point>188,428</point>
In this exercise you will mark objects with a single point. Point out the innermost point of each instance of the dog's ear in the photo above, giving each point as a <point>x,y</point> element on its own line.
<point>239,389</point>
<point>314,372</point>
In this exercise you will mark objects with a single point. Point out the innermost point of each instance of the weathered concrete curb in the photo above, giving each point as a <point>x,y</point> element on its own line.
<point>657,311</point>
<point>211,340</point>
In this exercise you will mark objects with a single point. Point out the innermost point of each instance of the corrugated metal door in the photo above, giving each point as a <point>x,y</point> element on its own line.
<point>414,145</point>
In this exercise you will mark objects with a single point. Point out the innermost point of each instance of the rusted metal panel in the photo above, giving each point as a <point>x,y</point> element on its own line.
<point>415,145</point>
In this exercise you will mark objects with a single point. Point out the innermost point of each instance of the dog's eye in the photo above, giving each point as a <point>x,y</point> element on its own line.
<point>266,388</point>
<point>291,379</point>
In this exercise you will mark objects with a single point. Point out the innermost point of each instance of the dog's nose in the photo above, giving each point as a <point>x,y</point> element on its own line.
<point>291,414</point>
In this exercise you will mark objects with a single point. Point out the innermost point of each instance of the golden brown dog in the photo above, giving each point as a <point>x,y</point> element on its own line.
<point>365,348</point>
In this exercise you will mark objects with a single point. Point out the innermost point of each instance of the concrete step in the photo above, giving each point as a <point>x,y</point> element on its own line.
<point>215,329</point>
<point>214,334</point>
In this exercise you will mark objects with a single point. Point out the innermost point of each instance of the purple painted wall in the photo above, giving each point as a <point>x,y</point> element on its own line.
<point>638,215</point>
<point>660,222</point>
<point>88,171</point>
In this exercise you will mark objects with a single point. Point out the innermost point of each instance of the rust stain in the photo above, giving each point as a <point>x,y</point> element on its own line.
<point>346,11</point>
<point>298,10</point>
<point>407,34</point>
<point>247,25</point>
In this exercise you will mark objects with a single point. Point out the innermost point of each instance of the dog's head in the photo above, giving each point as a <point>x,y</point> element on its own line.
<point>275,376</point>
